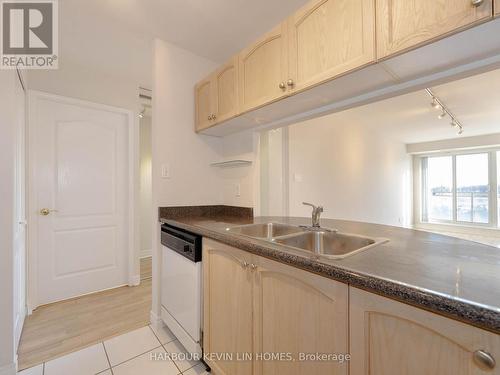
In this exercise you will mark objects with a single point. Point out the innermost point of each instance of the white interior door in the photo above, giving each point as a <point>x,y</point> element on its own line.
<point>81,175</point>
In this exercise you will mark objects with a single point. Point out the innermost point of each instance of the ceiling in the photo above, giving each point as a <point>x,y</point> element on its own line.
<point>116,35</point>
<point>409,118</point>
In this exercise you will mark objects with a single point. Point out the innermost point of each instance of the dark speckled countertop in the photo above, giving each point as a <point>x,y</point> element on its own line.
<point>452,277</point>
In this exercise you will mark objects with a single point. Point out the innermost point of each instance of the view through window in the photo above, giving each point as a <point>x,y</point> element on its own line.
<point>456,188</point>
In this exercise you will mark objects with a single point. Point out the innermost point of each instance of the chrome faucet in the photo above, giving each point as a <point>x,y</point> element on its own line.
<point>316,214</point>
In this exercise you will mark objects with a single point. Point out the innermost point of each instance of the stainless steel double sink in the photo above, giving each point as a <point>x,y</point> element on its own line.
<point>318,241</point>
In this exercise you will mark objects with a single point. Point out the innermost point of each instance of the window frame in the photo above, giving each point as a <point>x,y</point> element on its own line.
<point>492,185</point>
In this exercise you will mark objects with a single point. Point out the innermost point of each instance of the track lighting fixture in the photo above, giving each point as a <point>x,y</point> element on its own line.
<point>435,104</point>
<point>439,105</point>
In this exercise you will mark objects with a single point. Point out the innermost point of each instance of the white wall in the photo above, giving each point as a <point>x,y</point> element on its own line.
<point>20,235</point>
<point>273,173</point>
<point>145,193</point>
<point>12,234</point>
<point>100,60</point>
<point>83,82</point>
<point>355,173</point>
<point>238,182</point>
<point>175,145</point>
<point>187,155</point>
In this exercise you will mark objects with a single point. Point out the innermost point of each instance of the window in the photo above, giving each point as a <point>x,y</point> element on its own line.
<point>472,188</point>
<point>457,188</point>
<point>439,191</point>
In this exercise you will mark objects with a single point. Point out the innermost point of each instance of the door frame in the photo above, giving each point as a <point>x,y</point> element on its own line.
<point>32,201</point>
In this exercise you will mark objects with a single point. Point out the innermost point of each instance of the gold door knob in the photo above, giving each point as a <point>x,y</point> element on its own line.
<point>46,211</point>
<point>477,3</point>
<point>290,83</point>
<point>282,85</point>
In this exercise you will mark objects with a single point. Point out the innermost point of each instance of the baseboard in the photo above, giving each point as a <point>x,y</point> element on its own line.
<point>18,329</point>
<point>134,280</point>
<point>155,320</point>
<point>10,369</point>
<point>146,253</point>
<point>30,308</point>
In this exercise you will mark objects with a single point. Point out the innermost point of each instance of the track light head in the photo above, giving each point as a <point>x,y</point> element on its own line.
<point>442,115</point>
<point>435,104</point>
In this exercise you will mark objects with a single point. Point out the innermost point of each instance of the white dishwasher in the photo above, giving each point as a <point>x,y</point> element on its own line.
<point>181,296</point>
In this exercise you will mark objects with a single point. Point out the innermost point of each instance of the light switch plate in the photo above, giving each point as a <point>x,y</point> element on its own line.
<point>165,171</point>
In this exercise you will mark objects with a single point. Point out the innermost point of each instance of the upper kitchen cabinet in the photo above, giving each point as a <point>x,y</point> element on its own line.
<point>226,91</point>
<point>216,97</point>
<point>391,338</point>
<point>402,24</point>
<point>328,38</point>
<point>264,70</point>
<point>204,103</point>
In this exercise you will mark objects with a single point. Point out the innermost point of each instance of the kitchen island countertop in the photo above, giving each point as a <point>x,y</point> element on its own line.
<point>446,275</point>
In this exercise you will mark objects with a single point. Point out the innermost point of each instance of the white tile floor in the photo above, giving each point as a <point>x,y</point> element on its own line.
<point>128,354</point>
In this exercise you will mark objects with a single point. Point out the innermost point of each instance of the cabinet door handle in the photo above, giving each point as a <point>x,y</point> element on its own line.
<point>253,266</point>
<point>214,117</point>
<point>290,83</point>
<point>282,85</point>
<point>209,117</point>
<point>477,3</point>
<point>244,264</point>
<point>484,360</point>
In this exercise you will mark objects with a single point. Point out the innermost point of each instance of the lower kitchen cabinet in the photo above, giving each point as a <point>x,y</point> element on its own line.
<point>391,338</point>
<point>278,314</point>
<point>227,309</point>
<point>299,313</point>
<point>262,317</point>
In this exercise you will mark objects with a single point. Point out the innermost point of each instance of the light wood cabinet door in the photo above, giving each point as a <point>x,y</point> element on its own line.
<point>328,38</point>
<point>497,7</point>
<point>226,91</point>
<point>263,67</point>
<point>391,338</point>
<point>204,103</point>
<point>402,24</point>
<point>227,308</point>
<point>298,312</point>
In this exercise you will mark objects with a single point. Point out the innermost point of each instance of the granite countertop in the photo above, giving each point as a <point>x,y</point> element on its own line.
<point>452,277</point>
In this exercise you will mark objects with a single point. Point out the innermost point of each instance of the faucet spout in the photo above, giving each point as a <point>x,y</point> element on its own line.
<point>316,214</point>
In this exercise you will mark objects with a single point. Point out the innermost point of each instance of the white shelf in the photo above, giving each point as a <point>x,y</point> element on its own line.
<point>231,163</point>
